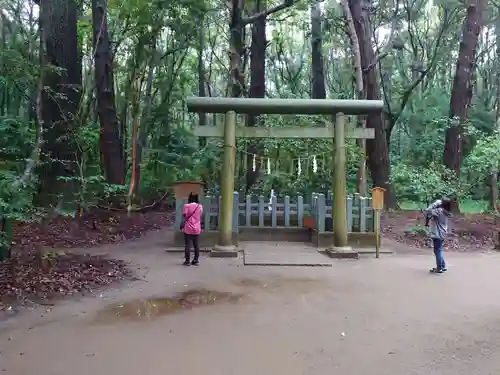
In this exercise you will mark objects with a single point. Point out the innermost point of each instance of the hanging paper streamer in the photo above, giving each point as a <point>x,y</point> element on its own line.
<point>297,166</point>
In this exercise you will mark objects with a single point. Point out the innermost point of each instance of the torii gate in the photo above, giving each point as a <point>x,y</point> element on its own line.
<point>229,131</point>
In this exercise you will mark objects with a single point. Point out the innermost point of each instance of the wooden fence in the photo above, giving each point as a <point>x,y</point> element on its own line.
<point>258,212</point>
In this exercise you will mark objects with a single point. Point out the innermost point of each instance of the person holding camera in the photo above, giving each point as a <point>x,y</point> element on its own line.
<point>437,216</point>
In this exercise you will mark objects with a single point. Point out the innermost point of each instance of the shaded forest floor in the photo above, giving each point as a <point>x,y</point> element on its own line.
<point>469,232</point>
<point>42,269</point>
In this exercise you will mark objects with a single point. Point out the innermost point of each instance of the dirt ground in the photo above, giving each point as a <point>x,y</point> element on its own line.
<point>386,316</point>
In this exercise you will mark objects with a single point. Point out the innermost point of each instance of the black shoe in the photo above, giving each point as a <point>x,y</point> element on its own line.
<point>444,269</point>
<point>186,263</point>
<point>436,270</point>
<point>195,263</point>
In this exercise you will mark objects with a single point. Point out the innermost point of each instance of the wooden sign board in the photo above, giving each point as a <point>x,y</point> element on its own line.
<point>378,198</point>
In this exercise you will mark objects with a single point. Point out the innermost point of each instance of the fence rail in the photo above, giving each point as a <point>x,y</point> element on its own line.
<point>258,211</point>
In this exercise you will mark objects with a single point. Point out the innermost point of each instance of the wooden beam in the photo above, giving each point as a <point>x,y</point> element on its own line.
<point>284,106</point>
<point>289,132</point>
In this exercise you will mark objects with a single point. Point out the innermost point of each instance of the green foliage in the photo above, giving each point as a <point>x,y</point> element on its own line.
<point>485,157</point>
<point>424,184</point>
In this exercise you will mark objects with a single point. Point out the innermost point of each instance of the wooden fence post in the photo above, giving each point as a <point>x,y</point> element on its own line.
<point>348,206</point>
<point>248,211</point>
<point>362,214</point>
<point>300,211</point>
<point>207,208</point>
<point>179,204</point>
<point>321,212</point>
<point>286,211</point>
<point>274,210</point>
<point>261,210</point>
<point>236,211</point>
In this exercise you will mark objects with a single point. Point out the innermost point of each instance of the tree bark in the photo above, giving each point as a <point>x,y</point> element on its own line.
<point>142,132</point>
<point>257,87</point>
<point>60,99</point>
<point>110,141</point>
<point>494,173</point>
<point>236,50</point>
<point>377,150</point>
<point>318,89</point>
<point>361,178</point>
<point>461,93</point>
<point>202,116</point>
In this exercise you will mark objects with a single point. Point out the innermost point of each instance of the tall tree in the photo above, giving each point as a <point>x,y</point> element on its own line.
<point>61,96</point>
<point>257,85</point>
<point>461,92</point>
<point>318,90</point>
<point>494,172</point>
<point>377,150</point>
<point>110,141</point>
<point>202,116</point>
<point>237,25</point>
<point>361,180</point>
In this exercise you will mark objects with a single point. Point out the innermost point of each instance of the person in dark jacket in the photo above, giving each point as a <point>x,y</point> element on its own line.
<point>439,213</point>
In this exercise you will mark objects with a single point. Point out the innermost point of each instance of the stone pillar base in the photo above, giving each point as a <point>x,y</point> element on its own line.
<point>344,252</point>
<point>220,251</point>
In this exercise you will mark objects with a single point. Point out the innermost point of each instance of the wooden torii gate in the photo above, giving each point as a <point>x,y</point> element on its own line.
<point>229,131</point>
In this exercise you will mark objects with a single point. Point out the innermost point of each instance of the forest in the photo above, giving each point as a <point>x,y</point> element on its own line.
<point>95,130</point>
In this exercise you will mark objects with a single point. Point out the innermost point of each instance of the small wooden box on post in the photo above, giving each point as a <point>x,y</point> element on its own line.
<point>257,106</point>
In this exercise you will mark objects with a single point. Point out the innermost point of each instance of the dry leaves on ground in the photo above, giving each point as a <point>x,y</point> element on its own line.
<point>35,277</point>
<point>468,232</point>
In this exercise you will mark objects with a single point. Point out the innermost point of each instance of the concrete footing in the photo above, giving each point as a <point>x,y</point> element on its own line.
<point>345,252</point>
<point>220,251</point>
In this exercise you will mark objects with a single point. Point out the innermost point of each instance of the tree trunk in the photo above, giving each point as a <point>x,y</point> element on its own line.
<point>378,156</point>
<point>318,90</point>
<point>236,81</point>
<point>110,142</point>
<point>494,173</point>
<point>257,87</point>
<point>142,133</point>
<point>201,78</point>
<point>461,92</point>
<point>60,99</point>
<point>361,178</point>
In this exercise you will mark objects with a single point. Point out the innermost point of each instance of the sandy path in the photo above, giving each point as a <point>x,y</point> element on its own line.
<point>396,319</point>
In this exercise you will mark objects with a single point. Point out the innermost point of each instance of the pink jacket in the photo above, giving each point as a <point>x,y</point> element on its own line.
<point>192,213</point>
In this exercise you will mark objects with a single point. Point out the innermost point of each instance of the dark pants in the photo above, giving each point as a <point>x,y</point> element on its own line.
<point>438,252</point>
<point>188,240</point>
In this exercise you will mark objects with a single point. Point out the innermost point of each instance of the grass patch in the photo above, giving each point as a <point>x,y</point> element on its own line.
<point>466,207</point>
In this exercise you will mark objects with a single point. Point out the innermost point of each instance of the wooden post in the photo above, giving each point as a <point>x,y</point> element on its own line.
<point>225,247</point>
<point>261,211</point>
<point>376,218</point>
<point>377,205</point>
<point>274,211</point>
<point>286,211</point>
<point>248,211</point>
<point>300,211</point>
<point>340,246</point>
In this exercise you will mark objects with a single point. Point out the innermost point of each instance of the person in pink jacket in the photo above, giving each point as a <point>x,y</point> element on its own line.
<point>191,214</point>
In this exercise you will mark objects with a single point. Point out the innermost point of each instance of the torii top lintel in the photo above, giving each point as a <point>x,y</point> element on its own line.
<point>284,106</point>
